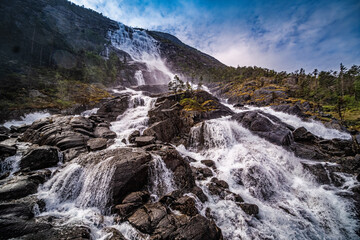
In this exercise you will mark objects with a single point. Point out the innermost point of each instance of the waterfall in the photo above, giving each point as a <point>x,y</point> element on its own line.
<point>161,178</point>
<point>292,204</point>
<point>142,48</point>
<point>139,77</point>
<point>134,118</point>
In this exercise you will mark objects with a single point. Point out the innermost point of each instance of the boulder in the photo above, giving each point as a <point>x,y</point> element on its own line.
<point>302,135</point>
<point>250,209</point>
<point>185,205</point>
<point>95,144</point>
<point>265,125</point>
<point>60,232</point>
<point>182,172</point>
<point>133,136</point>
<point>104,132</point>
<point>7,151</point>
<point>22,185</point>
<point>144,140</point>
<point>39,158</point>
<point>132,202</point>
<point>131,167</point>
<point>198,228</point>
<point>113,107</point>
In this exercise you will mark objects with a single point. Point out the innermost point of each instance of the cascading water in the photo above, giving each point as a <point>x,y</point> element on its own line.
<point>144,49</point>
<point>134,118</point>
<point>161,178</point>
<point>139,77</point>
<point>292,205</point>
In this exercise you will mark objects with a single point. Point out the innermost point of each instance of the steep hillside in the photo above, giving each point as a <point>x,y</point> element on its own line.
<point>54,54</point>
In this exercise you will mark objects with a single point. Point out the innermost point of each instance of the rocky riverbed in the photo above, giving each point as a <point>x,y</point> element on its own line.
<point>143,167</point>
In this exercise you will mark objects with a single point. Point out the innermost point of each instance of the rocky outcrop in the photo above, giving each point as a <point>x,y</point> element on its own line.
<point>70,134</point>
<point>113,108</point>
<point>266,126</point>
<point>22,185</point>
<point>39,158</point>
<point>170,122</point>
<point>131,167</point>
<point>156,220</point>
<point>6,151</point>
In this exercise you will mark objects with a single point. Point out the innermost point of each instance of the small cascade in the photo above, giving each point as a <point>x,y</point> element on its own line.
<point>144,49</point>
<point>82,186</point>
<point>27,119</point>
<point>161,178</point>
<point>134,118</point>
<point>315,127</point>
<point>292,204</point>
<point>139,77</point>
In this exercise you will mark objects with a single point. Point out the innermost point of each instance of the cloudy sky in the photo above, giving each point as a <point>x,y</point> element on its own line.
<point>280,35</point>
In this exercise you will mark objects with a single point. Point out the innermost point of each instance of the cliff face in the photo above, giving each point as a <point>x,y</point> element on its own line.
<point>42,33</point>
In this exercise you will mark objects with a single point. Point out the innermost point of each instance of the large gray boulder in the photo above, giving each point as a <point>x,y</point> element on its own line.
<point>267,126</point>
<point>40,157</point>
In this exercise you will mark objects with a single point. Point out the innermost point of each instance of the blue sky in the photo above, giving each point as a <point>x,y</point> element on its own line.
<point>280,35</point>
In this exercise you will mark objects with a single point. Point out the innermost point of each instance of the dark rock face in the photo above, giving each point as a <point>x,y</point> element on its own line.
<point>296,109</point>
<point>185,205</point>
<point>155,220</point>
<point>40,157</point>
<point>250,209</point>
<point>95,144</point>
<point>70,134</point>
<point>132,202</point>
<point>7,151</point>
<point>266,126</point>
<point>113,108</point>
<point>22,185</point>
<point>183,177</point>
<point>63,232</point>
<point>144,140</point>
<point>131,170</point>
<point>170,122</point>
<point>133,136</point>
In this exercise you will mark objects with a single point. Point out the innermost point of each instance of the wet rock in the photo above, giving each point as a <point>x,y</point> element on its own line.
<point>40,157</point>
<point>185,205</point>
<point>72,141</point>
<point>209,163</point>
<point>164,131</point>
<point>7,151</point>
<point>104,132</point>
<point>250,209</point>
<point>3,137</point>
<point>198,228</point>
<point>114,234</point>
<point>131,167</point>
<point>218,187</point>
<point>132,202</point>
<point>19,129</point>
<point>113,108</point>
<point>22,185</point>
<point>144,140</point>
<point>95,144</point>
<point>302,135</point>
<point>16,227</point>
<point>147,218</point>
<point>290,109</point>
<point>182,172</point>
<point>199,193</point>
<point>266,126</point>
<point>63,232</point>
<point>202,173</point>
<point>133,136</point>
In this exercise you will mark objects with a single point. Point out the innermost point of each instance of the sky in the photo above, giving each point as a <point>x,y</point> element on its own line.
<point>281,35</point>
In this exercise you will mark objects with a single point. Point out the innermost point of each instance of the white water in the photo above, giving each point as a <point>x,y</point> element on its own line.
<point>272,178</point>
<point>27,119</point>
<point>161,178</point>
<point>315,127</point>
<point>142,48</point>
<point>139,77</point>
